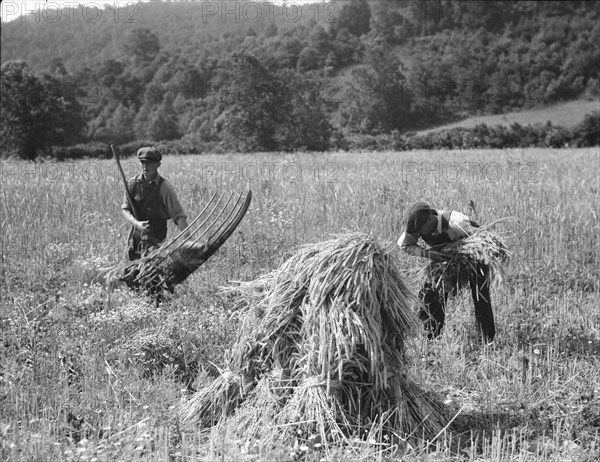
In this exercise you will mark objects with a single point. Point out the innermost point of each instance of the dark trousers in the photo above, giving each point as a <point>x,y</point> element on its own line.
<point>434,300</point>
<point>143,248</point>
<point>137,247</point>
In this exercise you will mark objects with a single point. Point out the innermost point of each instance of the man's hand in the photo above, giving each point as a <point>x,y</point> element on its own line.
<point>181,223</point>
<point>143,225</point>
<point>436,257</point>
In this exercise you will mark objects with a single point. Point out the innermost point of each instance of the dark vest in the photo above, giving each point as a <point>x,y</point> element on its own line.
<point>146,198</point>
<point>443,238</point>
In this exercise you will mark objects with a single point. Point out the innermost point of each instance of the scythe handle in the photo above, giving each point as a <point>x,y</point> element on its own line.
<point>127,192</point>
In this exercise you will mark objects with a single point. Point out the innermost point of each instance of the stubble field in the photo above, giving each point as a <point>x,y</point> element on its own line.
<point>92,376</point>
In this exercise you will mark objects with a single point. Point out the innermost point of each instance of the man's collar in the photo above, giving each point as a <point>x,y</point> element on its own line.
<point>155,180</point>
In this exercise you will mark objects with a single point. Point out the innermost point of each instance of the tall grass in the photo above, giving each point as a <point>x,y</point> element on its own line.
<point>86,375</point>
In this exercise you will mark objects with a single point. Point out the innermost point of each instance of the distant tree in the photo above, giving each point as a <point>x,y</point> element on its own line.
<point>268,112</point>
<point>271,30</point>
<point>142,44</point>
<point>108,72</point>
<point>121,125</point>
<point>142,121</point>
<point>304,124</point>
<point>130,91</point>
<point>320,40</point>
<point>287,53</point>
<point>250,107</point>
<point>378,100</point>
<point>348,48</point>
<point>354,16</point>
<point>35,113</point>
<point>187,81</point>
<point>154,94</point>
<point>57,68</point>
<point>387,22</point>
<point>163,122</point>
<point>587,133</point>
<point>309,60</point>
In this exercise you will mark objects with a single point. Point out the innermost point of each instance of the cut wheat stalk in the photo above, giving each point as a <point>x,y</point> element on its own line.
<point>334,318</point>
<point>465,258</point>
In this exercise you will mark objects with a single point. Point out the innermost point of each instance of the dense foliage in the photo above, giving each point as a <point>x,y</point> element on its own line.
<point>35,114</point>
<point>321,72</point>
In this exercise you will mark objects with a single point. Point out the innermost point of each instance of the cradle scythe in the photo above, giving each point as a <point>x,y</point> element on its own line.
<point>173,262</point>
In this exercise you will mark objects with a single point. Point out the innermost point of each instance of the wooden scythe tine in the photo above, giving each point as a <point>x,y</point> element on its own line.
<point>218,241</point>
<point>218,238</point>
<point>185,239</point>
<point>215,220</point>
<point>225,224</point>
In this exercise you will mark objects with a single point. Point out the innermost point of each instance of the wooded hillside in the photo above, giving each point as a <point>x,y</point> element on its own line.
<point>256,76</point>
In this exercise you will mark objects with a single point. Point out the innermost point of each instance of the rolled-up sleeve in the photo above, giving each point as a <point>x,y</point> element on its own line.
<point>459,226</point>
<point>409,244</point>
<point>170,202</point>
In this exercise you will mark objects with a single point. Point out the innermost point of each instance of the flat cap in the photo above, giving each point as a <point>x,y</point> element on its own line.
<point>149,154</point>
<point>415,216</point>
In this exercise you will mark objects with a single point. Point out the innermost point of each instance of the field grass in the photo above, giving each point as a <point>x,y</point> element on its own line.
<point>92,376</point>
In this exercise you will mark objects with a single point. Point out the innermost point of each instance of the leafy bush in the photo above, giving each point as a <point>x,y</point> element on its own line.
<point>80,151</point>
<point>587,133</point>
<point>132,147</point>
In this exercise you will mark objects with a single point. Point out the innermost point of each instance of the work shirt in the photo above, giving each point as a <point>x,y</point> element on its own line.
<point>458,226</point>
<point>169,206</point>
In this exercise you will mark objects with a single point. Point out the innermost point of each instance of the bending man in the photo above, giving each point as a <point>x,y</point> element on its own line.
<point>439,227</point>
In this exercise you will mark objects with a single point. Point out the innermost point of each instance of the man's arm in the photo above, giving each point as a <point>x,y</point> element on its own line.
<point>409,244</point>
<point>128,214</point>
<point>141,225</point>
<point>173,206</point>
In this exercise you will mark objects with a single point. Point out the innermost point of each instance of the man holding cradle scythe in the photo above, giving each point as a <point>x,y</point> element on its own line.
<point>149,202</point>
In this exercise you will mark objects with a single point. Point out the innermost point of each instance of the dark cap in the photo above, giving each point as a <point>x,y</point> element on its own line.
<point>415,216</point>
<point>149,154</point>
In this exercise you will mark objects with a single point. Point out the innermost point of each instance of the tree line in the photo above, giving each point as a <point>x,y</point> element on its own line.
<point>354,68</point>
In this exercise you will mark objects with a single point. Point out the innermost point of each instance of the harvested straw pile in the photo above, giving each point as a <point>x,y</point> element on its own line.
<point>464,257</point>
<point>322,350</point>
<point>177,259</point>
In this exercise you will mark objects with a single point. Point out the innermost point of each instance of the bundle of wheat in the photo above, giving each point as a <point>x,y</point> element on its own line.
<point>333,320</point>
<point>219,398</point>
<point>466,256</point>
<point>174,261</point>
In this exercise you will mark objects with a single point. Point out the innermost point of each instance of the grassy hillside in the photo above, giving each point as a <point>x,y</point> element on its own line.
<point>567,114</point>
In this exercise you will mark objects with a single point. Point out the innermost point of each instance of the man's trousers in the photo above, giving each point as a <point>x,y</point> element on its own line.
<point>434,299</point>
